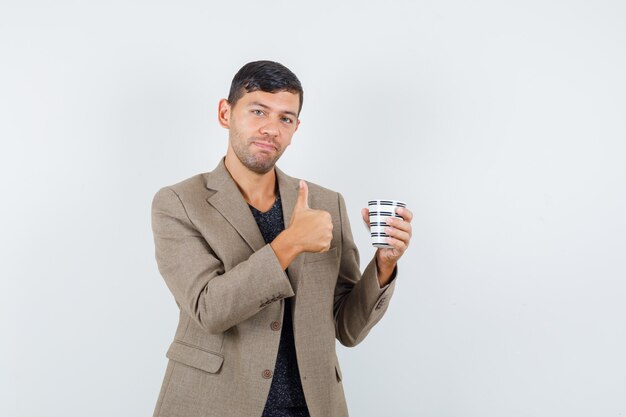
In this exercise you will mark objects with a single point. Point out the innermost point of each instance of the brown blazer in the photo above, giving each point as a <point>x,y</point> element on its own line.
<point>229,287</point>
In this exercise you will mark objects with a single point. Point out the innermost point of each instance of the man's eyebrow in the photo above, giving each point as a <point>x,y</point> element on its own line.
<point>256,103</point>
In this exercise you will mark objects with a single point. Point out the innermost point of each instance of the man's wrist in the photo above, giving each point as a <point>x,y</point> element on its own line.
<point>385,272</point>
<point>285,248</point>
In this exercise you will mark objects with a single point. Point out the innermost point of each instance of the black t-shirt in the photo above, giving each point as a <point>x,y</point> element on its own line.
<point>286,389</point>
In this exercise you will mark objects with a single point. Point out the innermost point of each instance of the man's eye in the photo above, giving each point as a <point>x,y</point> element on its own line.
<point>287,120</point>
<point>258,112</point>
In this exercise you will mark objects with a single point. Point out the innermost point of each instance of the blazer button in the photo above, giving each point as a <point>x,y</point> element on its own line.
<point>267,374</point>
<point>275,325</point>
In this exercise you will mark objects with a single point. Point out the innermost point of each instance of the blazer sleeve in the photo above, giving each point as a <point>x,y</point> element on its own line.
<point>215,299</point>
<point>359,302</point>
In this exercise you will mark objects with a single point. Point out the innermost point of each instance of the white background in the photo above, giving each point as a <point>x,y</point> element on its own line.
<point>501,124</point>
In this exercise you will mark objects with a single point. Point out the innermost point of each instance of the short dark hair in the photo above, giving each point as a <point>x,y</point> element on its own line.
<point>267,76</point>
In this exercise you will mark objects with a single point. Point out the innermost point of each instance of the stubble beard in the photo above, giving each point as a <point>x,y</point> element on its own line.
<point>260,162</point>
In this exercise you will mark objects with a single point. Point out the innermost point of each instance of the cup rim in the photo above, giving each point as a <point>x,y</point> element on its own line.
<point>391,202</point>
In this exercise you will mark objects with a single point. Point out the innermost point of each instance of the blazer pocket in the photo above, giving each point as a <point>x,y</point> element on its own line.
<point>195,356</point>
<point>330,254</point>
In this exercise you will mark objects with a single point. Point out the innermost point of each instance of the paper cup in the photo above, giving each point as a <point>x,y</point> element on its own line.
<point>380,210</point>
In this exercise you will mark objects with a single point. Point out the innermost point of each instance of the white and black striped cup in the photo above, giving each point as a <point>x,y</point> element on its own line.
<point>380,210</point>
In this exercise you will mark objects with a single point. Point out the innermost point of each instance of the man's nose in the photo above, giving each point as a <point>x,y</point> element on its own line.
<point>270,128</point>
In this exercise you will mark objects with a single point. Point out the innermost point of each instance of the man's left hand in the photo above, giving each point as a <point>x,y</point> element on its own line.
<point>399,231</point>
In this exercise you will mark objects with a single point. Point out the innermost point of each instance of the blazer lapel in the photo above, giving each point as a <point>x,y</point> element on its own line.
<point>228,200</point>
<point>288,187</point>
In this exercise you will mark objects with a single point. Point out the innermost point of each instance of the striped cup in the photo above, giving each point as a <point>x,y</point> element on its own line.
<point>380,210</point>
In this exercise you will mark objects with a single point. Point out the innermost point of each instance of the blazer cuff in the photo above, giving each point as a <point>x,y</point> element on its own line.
<point>391,280</point>
<point>370,276</point>
<point>280,284</point>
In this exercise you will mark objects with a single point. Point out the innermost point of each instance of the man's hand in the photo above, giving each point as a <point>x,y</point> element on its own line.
<point>399,231</point>
<point>309,230</point>
<point>312,230</point>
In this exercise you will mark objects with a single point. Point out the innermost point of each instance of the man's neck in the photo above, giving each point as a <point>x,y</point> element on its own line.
<point>257,189</point>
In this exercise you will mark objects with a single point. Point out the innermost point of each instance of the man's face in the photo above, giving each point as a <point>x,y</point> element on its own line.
<point>260,127</point>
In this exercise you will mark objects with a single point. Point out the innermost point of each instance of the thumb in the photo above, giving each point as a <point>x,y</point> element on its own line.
<point>303,195</point>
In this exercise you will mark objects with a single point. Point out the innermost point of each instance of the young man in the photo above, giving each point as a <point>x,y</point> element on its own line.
<point>261,304</point>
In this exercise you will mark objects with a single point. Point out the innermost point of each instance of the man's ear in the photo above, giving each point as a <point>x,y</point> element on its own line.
<point>223,113</point>
<point>297,124</point>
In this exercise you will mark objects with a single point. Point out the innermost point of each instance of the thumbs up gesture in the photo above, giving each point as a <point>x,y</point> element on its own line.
<point>311,230</point>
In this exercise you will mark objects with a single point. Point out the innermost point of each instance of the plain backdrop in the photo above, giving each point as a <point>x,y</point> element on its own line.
<point>501,124</point>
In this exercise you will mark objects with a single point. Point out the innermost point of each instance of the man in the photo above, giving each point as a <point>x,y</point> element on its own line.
<point>261,304</point>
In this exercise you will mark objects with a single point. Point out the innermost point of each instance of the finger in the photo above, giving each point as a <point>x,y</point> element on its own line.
<point>397,244</point>
<point>365,213</point>
<point>400,224</point>
<point>398,234</point>
<point>303,195</point>
<point>406,214</point>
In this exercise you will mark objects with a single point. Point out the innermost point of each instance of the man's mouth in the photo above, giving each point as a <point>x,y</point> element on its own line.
<point>265,145</point>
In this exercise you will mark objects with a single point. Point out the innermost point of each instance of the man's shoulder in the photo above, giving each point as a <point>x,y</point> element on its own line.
<point>192,187</point>
<point>191,184</point>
